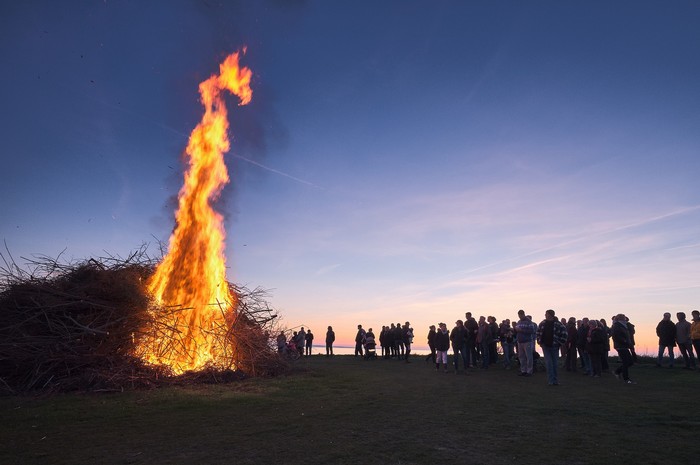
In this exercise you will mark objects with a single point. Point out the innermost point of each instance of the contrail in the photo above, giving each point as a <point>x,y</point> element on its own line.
<point>186,136</point>
<point>308,183</point>
<point>623,227</point>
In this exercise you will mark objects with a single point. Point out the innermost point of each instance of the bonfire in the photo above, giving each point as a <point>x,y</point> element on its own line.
<point>112,323</point>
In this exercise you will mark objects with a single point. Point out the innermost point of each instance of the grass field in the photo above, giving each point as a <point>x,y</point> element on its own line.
<point>349,411</point>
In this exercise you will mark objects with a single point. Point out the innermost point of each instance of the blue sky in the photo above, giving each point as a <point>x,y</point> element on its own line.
<point>399,160</point>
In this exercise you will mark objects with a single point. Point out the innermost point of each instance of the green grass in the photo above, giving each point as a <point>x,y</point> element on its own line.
<point>348,411</point>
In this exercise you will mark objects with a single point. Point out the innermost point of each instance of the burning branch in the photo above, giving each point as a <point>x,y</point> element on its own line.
<point>76,326</point>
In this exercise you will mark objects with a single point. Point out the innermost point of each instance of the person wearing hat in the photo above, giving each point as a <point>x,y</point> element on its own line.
<point>442,345</point>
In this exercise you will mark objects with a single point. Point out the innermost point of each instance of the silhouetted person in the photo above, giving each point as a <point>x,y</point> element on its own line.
<point>666,330</point>
<point>621,342</point>
<point>330,339</point>
<point>683,339</point>
<point>359,340</point>
<point>431,344</point>
<point>309,342</point>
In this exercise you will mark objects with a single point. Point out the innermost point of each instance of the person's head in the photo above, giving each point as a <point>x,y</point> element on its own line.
<point>482,319</point>
<point>622,318</point>
<point>584,321</point>
<point>549,314</point>
<point>696,314</point>
<point>432,327</point>
<point>521,314</point>
<point>459,323</point>
<point>667,316</point>
<point>369,330</point>
<point>572,320</point>
<point>443,326</point>
<point>330,328</point>
<point>302,328</point>
<point>359,326</point>
<point>680,316</point>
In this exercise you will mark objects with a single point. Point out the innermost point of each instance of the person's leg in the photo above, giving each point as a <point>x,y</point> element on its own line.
<point>626,358</point>
<point>521,357</point>
<point>684,353</point>
<point>485,355</point>
<point>530,358</point>
<point>670,356</point>
<point>661,355</point>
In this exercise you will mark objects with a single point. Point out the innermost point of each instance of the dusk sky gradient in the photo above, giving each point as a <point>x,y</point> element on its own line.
<point>400,160</point>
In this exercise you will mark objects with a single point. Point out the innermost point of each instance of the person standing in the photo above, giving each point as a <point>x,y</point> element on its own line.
<point>525,332</point>
<point>484,338</point>
<point>390,333</point>
<point>695,332</point>
<point>458,339</point>
<point>595,346</point>
<point>309,342</point>
<point>551,334</point>
<point>666,330</point>
<point>684,341</point>
<point>382,343</point>
<point>472,328</point>
<point>632,331</point>
<point>581,339</point>
<point>301,340</point>
<point>621,343</point>
<point>330,339</point>
<point>505,333</point>
<point>281,342</point>
<point>359,340</point>
<point>431,344</point>
<point>602,324</point>
<point>570,363</point>
<point>493,345</point>
<point>565,347</point>
<point>407,334</point>
<point>398,341</point>
<point>442,345</point>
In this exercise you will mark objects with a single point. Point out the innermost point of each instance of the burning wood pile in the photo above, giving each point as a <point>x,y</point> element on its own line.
<point>113,323</point>
<point>81,326</point>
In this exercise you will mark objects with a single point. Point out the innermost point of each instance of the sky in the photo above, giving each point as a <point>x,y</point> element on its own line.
<point>400,160</point>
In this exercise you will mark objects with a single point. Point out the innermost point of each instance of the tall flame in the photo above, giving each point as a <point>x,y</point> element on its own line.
<point>192,276</point>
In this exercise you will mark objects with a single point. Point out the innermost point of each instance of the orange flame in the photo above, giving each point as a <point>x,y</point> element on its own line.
<point>192,276</point>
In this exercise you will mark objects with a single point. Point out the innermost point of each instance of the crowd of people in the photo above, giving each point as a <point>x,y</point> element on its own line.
<point>583,344</point>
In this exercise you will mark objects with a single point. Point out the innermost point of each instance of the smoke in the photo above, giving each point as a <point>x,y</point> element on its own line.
<point>257,128</point>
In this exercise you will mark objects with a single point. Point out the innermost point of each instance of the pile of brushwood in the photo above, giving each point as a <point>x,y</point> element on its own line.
<point>74,326</point>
